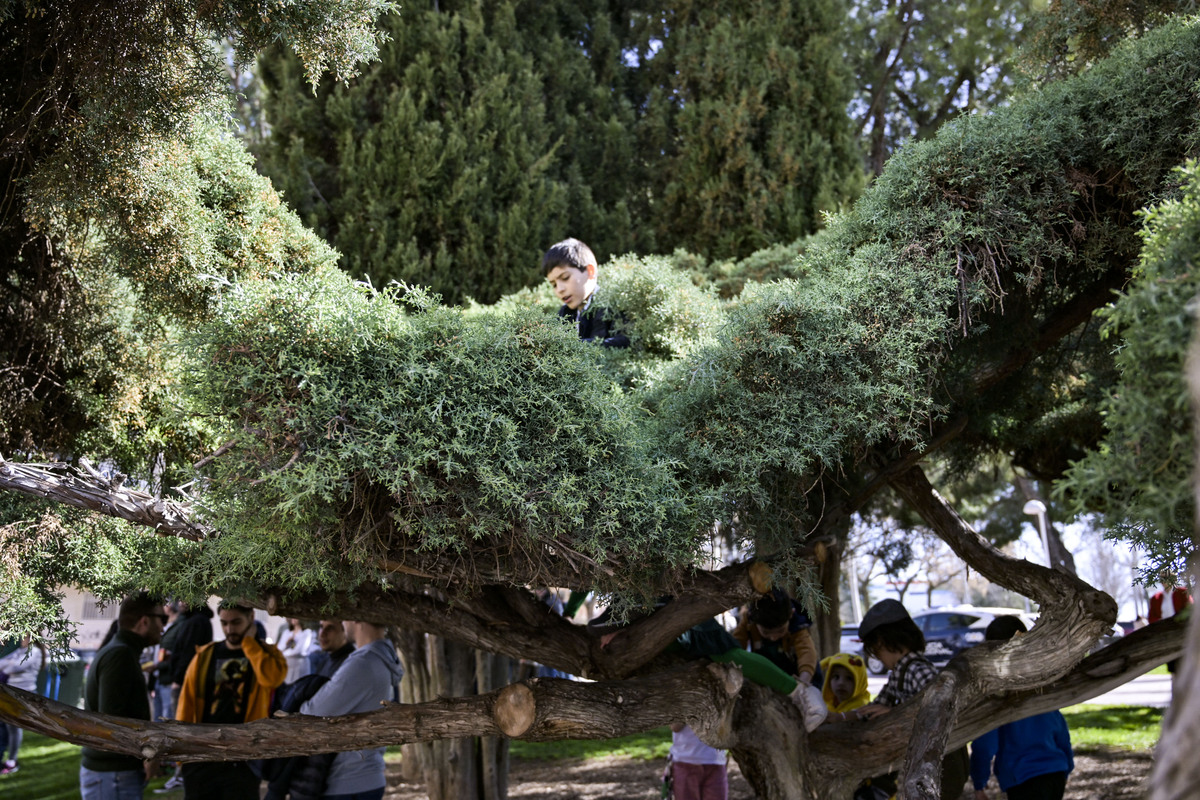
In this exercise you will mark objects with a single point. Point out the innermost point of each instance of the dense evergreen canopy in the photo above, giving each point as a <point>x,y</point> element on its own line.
<point>486,131</point>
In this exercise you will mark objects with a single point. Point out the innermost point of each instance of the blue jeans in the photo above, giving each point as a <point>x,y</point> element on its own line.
<point>121,785</point>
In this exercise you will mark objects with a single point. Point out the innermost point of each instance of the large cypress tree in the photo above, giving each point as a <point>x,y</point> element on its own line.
<point>745,134</point>
<point>480,137</point>
<point>490,129</point>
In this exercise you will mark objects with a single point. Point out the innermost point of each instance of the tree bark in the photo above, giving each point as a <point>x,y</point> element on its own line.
<point>554,710</point>
<point>510,621</point>
<point>1073,617</point>
<point>1176,769</point>
<point>73,487</point>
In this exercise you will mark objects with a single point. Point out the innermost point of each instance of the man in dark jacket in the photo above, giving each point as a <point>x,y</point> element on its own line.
<point>570,267</point>
<point>115,685</point>
<point>335,646</point>
<point>194,631</point>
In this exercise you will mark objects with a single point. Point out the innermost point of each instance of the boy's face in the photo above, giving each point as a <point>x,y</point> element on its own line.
<point>841,683</point>
<point>572,286</point>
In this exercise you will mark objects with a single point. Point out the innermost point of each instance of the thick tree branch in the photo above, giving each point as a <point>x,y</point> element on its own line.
<point>845,753</point>
<point>509,621</point>
<point>931,732</point>
<point>537,710</point>
<point>64,484</point>
<point>1048,587</point>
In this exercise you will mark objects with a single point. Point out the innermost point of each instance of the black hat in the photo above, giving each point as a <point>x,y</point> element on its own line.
<point>882,613</point>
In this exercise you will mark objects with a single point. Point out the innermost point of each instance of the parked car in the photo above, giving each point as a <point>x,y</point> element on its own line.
<point>850,643</point>
<point>951,629</point>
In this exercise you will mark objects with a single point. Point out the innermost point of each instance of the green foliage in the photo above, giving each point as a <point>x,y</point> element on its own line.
<point>743,129</point>
<point>51,547</point>
<point>489,130</point>
<point>432,438</point>
<point>728,277</point>
<point>1029,210</point>
<point>804,376</point>
<point>121,186</point>
<point>1141,476</point>
<point>458,157</point>
<point>920,64</point>
<point>1070,35</point>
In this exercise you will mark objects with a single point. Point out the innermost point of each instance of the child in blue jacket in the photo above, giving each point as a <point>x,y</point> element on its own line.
<point>1032,756</point>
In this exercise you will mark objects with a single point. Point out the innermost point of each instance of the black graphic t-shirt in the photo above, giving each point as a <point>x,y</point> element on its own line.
<point>228,685</point>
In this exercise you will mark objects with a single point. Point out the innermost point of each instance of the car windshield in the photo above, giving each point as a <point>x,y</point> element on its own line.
<point>940,623</point>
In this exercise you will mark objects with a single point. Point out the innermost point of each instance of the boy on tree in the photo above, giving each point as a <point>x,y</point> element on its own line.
<point>570,267</point>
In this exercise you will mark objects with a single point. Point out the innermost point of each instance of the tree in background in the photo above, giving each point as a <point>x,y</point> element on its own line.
<point>920,63</point>
<point>485,132</point>
<point>488,130</point>
<point>744,137</point>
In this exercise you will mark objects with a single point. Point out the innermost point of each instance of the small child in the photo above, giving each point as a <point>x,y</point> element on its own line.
<point>1033,756</point>
<point>697,770</point>
<point>845,686</point>
<point>889,633</point>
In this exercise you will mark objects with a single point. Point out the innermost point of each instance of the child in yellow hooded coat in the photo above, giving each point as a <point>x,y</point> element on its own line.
<point>845,687</point>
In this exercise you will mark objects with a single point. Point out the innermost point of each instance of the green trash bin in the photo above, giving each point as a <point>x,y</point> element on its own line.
<point>63,681</point>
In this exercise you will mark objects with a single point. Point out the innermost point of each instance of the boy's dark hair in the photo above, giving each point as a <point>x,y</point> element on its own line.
<point>896,636</point>
<point>772,609</point>
<point>888,624</point>
<point>136,606</point>
<point>1001,629</point>
<point>568,253</point>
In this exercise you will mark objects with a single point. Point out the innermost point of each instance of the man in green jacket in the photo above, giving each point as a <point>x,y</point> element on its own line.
<point>116,685</point>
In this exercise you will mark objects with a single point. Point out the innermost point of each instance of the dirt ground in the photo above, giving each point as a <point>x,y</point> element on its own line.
<point>1099,775</point>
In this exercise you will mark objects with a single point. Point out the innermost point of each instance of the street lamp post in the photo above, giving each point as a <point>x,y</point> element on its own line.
<point>1038,508</point>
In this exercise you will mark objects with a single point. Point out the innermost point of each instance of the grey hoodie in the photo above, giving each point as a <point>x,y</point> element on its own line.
<point>365,680</point>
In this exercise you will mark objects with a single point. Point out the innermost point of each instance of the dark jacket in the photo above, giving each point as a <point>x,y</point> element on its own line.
<point>195,630</point>
<point>595,324</point>
<point>115,685</point>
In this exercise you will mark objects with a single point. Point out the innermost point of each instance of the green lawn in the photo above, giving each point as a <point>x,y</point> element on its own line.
<point>1094,727</point>
<point>50,769</point>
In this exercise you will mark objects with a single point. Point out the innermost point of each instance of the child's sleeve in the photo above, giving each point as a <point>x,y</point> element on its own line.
<point>1062,738</point>
<point>983,750</point>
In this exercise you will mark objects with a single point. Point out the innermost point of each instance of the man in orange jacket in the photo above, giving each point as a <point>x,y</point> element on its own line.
<point>229,682</point>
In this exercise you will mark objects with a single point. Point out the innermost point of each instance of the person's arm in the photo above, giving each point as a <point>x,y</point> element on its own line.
<point>269,665</point>
<point>1062,738</point>
<point>805,650</point>
<point>188,709</point>
<point>983,750</point>
<point>119,686</point>
<point>346,690</point>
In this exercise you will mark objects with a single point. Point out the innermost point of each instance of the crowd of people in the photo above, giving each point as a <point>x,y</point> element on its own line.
<point>337,667</point>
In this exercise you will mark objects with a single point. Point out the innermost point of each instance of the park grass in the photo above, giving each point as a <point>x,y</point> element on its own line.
<point>50,771</point>
<point>1107,727</point>
<point>648,746</point>
<point>50,768</point>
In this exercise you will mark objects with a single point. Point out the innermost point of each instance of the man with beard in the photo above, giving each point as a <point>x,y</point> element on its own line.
<point>229,682</point>
<point>115,685</point>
